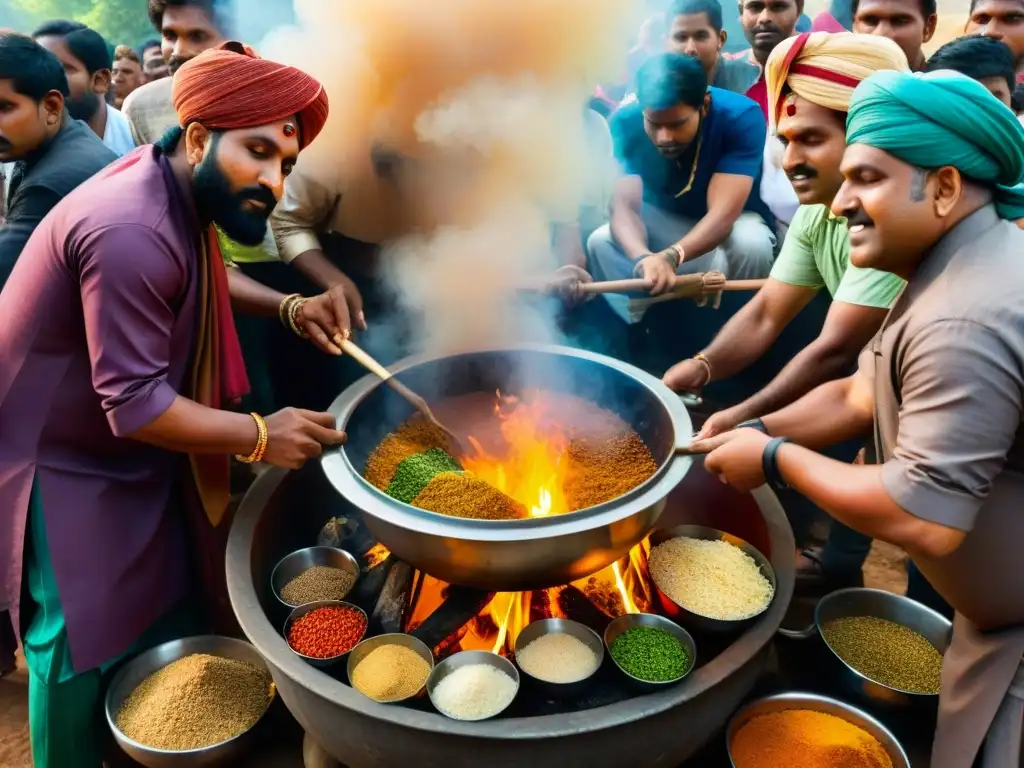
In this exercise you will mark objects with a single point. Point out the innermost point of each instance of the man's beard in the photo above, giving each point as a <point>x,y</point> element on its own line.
<point>217,203</point>
<point>84,107</point>
<point>175,62</point>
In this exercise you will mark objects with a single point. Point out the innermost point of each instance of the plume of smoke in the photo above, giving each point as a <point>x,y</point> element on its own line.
<point>482,102</point>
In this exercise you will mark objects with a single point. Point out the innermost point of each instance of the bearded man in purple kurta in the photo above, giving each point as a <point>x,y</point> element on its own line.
<point>117,351</point>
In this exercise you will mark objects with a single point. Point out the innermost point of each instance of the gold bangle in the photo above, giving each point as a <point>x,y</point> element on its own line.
<point>293,314</point>
<point>700,357</point>
<point>261,442</point>
<point>285,307</point>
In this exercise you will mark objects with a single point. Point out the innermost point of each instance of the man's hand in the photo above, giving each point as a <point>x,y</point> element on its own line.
<point>327,318</point>
<point>657,272</point>
<point>567,282</point>
<point>720,422</point>
<point>688,376</point>
<point>295,435</point>
<point>738,460</point>
<point>709,444</point>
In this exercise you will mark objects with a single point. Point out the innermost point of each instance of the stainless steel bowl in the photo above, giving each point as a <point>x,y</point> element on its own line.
<point>302,610</point>
<point>705,623</point>
<point>142,666</point>
<point>364,648</point>
<point>845,603</point>
<point>512,555</point>
<point>829,706</point>
<point>631,620</point>
<point>581,632</point>
<point>466,658</point>
<point>301,561</point>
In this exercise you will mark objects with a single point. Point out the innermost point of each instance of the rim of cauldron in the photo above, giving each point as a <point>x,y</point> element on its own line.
<point>349,481</point>
<point>279,656</point>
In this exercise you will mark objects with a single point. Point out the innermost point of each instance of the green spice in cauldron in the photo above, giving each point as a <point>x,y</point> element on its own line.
<point>886,652</point>
<point>415,473</point>
<point>650,654</point>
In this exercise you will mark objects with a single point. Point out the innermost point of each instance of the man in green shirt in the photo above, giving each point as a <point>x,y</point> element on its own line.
<point>810,79</point>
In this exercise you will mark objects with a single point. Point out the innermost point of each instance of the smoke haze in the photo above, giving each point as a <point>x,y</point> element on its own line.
<point>483,103</point>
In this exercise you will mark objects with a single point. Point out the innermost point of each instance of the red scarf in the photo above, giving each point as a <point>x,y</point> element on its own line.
<point>218,375</point>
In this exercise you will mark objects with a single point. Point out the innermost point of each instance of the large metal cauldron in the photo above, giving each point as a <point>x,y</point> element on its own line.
<point>283,511</point>
<point>513,555</point>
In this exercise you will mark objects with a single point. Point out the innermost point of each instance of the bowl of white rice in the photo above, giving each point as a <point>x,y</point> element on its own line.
<point>559,656</point>
<point>708,579</point>
<point>473,685</point>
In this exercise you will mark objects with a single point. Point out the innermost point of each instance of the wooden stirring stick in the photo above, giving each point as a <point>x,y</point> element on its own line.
<point>360,356</point>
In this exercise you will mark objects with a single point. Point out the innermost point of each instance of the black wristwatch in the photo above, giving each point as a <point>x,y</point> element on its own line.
<point>757,424</point>
<point>770,463</point>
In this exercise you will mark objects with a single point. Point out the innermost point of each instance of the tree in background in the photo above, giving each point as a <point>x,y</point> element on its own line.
<point>121,22</point>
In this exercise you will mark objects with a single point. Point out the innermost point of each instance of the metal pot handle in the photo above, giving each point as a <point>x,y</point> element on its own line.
<point>691,400</point>
<point>798,634</point>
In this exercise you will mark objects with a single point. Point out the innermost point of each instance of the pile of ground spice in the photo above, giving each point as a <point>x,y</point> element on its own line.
<point>800,737</point>
<point>461,494</point>
<point>390,672</point>
<point>603,468</point>
<point>415,435</point>
<point>195,702</point>
<point>318,583</point>
<point>416,471</point>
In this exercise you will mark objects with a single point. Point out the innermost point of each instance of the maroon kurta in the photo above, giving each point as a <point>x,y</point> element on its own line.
<point>99,318</point>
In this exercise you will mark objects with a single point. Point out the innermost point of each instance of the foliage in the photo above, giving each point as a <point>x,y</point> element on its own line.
<point>119,21</point>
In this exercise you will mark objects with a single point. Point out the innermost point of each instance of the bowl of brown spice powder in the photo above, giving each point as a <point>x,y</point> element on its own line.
<point>313,574</point>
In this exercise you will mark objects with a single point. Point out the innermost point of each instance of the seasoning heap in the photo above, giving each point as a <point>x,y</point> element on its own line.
<point>474,692</point>
<point>799,737</point>
<point>886,652</point>
<point>604,466</point>
<point>710,578</point>
<point>195,702</point>
<point>558,658</point>
<point>651,654</point>
<point>413,465</point>
<point>326,632</point>
<point>318,583</point>
<point>390,672</point>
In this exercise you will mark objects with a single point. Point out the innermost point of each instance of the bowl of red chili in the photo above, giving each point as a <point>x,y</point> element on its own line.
<point>323,633</point>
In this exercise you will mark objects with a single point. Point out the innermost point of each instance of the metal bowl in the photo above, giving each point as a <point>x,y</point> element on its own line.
<point>844,603</point>
<point>581,632</point>
<point>301,561</point>
<point>783,701</point>
<point>302,610</point>
<point>630,620</point>
<point>131,675</point>
<point>512,555</point>
<point>362,650</point>
<point>465,658</point>
<point>680,614</point>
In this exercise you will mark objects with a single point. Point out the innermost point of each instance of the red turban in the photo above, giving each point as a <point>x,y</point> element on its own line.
<point>232,87</point>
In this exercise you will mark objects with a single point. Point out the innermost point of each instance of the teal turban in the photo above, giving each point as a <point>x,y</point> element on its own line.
<point>943,118</point>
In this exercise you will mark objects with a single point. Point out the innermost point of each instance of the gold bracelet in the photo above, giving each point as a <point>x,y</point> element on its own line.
<point>285,308</point>
<point>293,315</point>
<point>700,357</point>
<point>261,442</point>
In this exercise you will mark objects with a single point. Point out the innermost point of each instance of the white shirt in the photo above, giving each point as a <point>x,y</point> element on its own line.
<point>776,190</point>
<point>118,133</point>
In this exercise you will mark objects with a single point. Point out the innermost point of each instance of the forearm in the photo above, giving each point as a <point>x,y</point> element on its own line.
<point>743,340</point>
<point>188,427</point>
<point>318,268</point>
<point>855,495</point>
<point>706,235</point>
<point>629,231</point>
<point>816,364</point>
<point>827,415</point>
<point>569,246</point>
<point>252,298</point>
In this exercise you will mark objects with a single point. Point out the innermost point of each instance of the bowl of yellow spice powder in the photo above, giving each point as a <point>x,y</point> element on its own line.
<point>390,668</point>
<point>811,731</point>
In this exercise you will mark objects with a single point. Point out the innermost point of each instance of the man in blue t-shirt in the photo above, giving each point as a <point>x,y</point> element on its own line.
<point>687,201</point>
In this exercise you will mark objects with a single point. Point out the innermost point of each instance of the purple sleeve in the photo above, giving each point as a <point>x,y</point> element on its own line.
<point>130,283</point>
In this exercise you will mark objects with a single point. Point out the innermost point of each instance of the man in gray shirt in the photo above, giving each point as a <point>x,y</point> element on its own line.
<point>942,383</point>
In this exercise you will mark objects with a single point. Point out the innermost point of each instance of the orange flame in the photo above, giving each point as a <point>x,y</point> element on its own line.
<point>531,468</point>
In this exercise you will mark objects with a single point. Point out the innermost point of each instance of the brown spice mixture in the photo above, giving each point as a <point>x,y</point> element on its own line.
<point>603,469</point>
<point>414,435</point>
<point>464,495</point>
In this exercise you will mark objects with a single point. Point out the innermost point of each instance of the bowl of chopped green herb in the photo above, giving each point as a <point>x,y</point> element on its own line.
<point>651,651</point>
